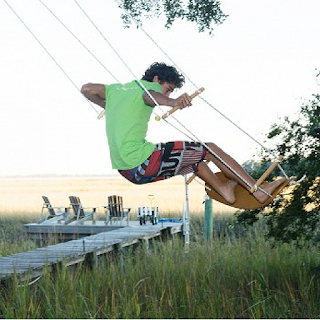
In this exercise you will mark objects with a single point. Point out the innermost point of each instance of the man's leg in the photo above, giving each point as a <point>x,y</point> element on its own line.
<point>226,190</point>
<point>259,195</point>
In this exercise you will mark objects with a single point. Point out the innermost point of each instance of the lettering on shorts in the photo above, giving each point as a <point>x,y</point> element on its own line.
<point>171,160</point>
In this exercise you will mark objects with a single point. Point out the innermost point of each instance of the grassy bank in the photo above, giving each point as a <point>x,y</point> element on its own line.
<point>236,275</point>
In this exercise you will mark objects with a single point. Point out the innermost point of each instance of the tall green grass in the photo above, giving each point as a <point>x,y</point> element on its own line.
<point>12,239</point>
<point>236,275</point>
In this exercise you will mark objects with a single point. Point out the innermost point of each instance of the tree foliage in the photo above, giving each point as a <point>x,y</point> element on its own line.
<point>205,13</point>
<point>295,217</point>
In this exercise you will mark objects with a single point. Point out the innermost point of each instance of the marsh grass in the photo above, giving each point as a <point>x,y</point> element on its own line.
<point>237,274</point>
<point>12,239</point>
<point>23,195</point>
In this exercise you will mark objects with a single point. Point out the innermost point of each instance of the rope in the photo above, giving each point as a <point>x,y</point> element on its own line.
<point>64,72</point>
<point>204,100</point>
<point>127,66</point>
<point>46,50</point>
<point>49,54</point>
<point>104,38</point>
<point>190,80</point>
<point>83,45</point>
<point>130,70</point>
<point>194,138</point>
<point>113,49</point>
<point>88,50</point>
<point>116,52</point>
<point>155,102</point>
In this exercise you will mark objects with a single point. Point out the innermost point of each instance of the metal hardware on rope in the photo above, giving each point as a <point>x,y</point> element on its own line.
<point>101,114</point>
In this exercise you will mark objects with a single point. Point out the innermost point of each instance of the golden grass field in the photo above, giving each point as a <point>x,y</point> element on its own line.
<point>23,195</point>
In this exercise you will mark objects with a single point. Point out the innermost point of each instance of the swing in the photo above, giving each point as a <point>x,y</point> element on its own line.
<point>244,198</point>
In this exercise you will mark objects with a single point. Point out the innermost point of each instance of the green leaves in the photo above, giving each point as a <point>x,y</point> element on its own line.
<point>295,217</point>
<point>204,13</point>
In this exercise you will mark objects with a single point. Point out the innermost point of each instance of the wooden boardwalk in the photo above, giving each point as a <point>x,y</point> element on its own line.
<point>67,232</point>
<point>30,264</point>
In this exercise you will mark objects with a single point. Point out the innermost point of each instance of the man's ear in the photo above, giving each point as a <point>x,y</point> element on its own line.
<point>155,79</point>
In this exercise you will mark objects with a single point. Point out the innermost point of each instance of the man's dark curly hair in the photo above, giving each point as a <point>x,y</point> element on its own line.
<point>165,74</point>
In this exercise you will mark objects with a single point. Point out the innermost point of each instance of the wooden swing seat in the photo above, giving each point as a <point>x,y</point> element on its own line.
<point>244,199</point>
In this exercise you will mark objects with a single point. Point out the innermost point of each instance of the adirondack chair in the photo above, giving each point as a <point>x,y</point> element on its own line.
<point>115,210</point>
<point>50,214</point>
<point>81,214</point>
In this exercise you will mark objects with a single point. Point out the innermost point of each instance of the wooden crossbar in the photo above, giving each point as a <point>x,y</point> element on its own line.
<point>259,181</point>
<point>177,107</point>
<point>266,174</point>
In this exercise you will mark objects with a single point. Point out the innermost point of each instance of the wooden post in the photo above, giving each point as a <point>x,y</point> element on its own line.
<point>186,230</point>
<point>208,219</point>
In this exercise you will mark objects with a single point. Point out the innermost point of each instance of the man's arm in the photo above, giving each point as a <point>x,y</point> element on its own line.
<point>184,100</point>
<point>96,93</point>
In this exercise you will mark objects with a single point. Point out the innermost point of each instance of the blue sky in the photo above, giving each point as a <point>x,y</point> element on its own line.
<point>261,64</point>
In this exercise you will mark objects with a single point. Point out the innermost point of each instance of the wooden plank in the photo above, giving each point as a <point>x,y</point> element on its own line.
<point>33,228</point>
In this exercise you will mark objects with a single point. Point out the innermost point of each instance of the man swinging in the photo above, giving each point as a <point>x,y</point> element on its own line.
<point>128,109</point>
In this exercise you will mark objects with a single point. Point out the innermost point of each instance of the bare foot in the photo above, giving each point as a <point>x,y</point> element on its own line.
<point>270,187</point>
<point>226,191</point>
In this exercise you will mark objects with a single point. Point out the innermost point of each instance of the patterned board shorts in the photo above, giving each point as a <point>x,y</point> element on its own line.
<point>167,160</point>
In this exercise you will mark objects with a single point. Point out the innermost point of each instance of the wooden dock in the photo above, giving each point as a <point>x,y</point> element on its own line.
<point>58,231</point>
<point>30,264</point>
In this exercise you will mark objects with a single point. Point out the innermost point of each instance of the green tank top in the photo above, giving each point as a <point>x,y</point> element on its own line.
<point>127,118</point>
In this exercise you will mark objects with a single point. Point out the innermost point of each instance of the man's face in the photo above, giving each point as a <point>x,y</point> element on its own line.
<point>167,88</point>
